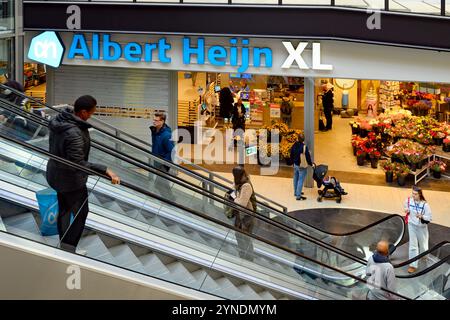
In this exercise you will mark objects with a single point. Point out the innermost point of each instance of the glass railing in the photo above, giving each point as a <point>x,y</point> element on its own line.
<point>431,7</point>
<point>359,243</point>
<point>219,241</point>
<point>178,221</point>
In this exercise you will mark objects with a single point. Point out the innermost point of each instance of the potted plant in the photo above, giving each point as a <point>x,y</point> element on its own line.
<point>374,155</point>
<point>413,157</point>
<point>446,144</point>
<point>401,171</point>
<point>355,127</point>
<point>388,168</point>
<point>437,166</point>
<point>360,157</point>
<point>438,137</point>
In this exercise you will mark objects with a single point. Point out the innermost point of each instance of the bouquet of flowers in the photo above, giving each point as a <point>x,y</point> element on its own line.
<point>446,141</point>
<point>374,154</point>
<point>387,165</point>
<point>401,170</point>
<point>438,165</point>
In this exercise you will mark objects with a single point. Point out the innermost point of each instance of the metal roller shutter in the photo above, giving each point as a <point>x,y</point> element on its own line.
<point>113,87</point>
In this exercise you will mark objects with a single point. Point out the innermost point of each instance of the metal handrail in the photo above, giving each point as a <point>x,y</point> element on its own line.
<point>165,162</point>
<point>104,148</point>
<point>119,155</point>
<point>184,208</point>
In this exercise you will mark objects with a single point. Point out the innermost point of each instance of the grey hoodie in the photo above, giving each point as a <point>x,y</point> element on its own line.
<point>380,274</point>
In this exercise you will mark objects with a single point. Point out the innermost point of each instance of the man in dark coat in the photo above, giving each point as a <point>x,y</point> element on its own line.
<point>69,139</point>
<point>328,105</point>
<point>162,146</point>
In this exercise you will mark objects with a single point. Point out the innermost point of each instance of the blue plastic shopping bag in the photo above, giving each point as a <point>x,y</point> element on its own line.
<point>48,209</point>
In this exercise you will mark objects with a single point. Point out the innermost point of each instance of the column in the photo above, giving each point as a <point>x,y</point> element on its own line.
<point>309,124</point>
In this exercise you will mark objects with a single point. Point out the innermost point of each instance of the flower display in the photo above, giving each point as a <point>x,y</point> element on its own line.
<point>438,166</point>
<point>401,170</point>
<point>446,140</point>
<point>387,165</point>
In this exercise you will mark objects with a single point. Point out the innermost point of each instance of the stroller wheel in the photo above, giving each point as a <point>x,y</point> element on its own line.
<point>319,192</point>
<point>319,199</point>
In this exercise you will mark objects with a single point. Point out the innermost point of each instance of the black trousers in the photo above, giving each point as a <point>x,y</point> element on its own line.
<point>75,202</point>
<point>329,116</point>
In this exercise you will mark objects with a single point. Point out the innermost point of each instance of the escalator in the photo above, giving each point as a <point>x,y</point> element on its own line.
<point>130,157</point>
<point>210,262</point>
<point>129,208</point>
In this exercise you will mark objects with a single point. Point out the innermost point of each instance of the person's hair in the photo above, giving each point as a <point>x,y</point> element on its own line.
<point>84,103</point>
<point>301,137</point>
<point>420,192</point>
<point>240,176</point>
<point>161,115</point>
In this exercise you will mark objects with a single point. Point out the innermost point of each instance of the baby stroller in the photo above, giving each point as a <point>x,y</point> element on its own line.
<point>332,188</point>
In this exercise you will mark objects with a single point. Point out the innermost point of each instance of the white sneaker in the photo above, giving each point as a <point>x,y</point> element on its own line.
<point>81,252</point>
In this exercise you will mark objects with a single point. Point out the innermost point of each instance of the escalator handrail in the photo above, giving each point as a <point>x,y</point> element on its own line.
<point>436,247</point>
<point>426,270</point>
<point>168,163</point>
<point>392,216</point>
<point>225,202</point>
<point>244,210</point>
<point>194,212</point>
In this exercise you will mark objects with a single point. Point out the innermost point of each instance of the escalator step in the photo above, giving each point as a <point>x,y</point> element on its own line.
<point>228,289</point>
<point>24,225</point>
<point>204,281</point>
<point>179,274</point>
<point>153,265</point>
<point>266,295</point>
<point>96,248</point>
<point>249,293</point>
<point>126,258</point>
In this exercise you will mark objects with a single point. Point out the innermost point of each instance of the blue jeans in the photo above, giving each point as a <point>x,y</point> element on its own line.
<point>299,178</point>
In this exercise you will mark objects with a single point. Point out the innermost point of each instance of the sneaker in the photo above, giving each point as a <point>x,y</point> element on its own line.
<point>412,270</point>
<point>298,198</point>
<point>303,198</point>
<point>81,252</point>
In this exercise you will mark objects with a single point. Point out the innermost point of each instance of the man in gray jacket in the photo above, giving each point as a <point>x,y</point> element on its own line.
<point>380,274</point>
<point>69,139</point>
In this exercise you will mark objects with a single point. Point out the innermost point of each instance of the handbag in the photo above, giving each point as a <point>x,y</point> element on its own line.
<point>48,209</point>
<point>229,211</point>
<point>406,218</point>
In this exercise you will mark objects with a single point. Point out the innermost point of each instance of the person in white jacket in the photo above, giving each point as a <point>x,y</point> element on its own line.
<point>419,216</point>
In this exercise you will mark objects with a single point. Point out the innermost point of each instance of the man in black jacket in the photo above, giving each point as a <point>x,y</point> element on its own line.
<point>328,105</point>
<point>69,139</point>
<point>301,158</point>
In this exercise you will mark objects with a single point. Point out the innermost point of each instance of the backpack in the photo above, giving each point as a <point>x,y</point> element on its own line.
<point>286,107</point>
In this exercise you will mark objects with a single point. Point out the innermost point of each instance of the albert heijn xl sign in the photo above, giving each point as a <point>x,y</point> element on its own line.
<point>49,49</point>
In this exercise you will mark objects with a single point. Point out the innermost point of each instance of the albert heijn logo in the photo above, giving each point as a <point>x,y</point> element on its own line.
<point>47,48</point>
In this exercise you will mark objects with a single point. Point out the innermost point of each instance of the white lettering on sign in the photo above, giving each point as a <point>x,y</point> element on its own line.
<point>42,48</point>
<point>295,54</point>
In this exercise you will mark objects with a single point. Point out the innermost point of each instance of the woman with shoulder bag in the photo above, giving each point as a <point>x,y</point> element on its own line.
<point>419,215</point>
<point>245,197</point>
